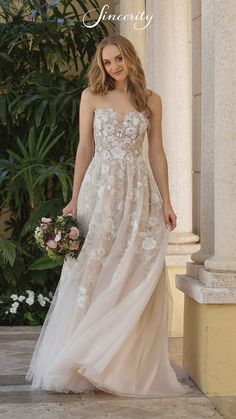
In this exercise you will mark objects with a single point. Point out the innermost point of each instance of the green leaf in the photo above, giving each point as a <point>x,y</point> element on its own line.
<point>3,175</point>
<point>22,148</point>
<point>74,109</point>
<point>8,250</point>
<point>13,155</point>
<point>44,141</point>
<point>24,103</point>
<point>52,113</point>
<point>63,181</point>
<point>3,110</point>
<point>40,140</point>
<point>28,316</point>
<point>6,57</point>
<point>31,141</point>
<point>51,145</point>
<point>39,112</point>
<point>45,209</point>
<point>43,263</point>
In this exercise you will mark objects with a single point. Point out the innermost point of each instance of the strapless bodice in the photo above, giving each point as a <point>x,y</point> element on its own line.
<point>119,136</point>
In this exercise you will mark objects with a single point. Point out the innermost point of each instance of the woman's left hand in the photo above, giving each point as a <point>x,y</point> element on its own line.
<point>170,216</point>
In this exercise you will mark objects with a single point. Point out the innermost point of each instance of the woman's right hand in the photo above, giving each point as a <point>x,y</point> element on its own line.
<point>71,208</point>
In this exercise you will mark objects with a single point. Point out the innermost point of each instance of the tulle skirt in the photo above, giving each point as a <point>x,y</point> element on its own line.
<point>107,326</point>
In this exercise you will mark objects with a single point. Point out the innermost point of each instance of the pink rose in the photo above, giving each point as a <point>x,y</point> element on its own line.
<point>74,233</point>
<point>74,246</point>
<point>51,244</point>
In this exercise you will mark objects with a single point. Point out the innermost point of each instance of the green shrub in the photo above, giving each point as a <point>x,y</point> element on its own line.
<point>45,51</point>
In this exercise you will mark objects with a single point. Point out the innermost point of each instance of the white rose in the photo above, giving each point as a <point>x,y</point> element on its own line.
<point>38,231</point>
<point>57,236</point>
<point>46,220</point>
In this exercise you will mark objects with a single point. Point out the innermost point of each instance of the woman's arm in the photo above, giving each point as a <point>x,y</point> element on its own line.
<point>157,158</point>
<point>85,149</point>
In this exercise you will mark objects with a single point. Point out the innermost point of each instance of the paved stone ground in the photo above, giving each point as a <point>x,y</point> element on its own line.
<point>18,402</point>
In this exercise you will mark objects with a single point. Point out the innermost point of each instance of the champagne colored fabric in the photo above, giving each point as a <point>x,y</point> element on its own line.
<point>107,326</point>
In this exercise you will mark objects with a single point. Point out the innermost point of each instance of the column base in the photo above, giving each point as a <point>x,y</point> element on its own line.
<point>181,246</point>
<point>210,346</point>
<point>204,294</point>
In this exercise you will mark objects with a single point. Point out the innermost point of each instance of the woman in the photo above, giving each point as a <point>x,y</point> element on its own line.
<point>107,326</point>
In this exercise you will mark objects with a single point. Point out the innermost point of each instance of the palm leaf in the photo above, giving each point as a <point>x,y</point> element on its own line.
<point>31,142</point>
<point>3,110</point>
<point>7,250</point>
<point>45,209</point>
<point>39,112</point>
<point>51,145</point>
<point>44,262</point>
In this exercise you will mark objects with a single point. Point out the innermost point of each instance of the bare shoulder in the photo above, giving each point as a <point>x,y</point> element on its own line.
<point>154,101</point>
<point>87,94</point>
<point>87,91</point>
<point>88,98</point>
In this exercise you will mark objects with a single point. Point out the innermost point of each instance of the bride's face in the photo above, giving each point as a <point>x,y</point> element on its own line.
<point>113,62</point>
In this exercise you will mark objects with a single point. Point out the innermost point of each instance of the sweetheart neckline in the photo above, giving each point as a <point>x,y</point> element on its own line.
<point>120,115</point>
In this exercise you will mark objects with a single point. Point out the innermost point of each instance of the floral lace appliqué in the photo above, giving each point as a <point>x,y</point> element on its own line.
<point>119,203</point>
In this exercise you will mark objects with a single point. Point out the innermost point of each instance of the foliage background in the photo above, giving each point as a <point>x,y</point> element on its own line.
<point>45,51</point>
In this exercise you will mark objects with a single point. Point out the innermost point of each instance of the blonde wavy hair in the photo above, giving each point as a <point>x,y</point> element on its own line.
<point>101,83</point>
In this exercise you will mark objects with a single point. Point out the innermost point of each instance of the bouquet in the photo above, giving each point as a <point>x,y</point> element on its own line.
<point>60,237</point>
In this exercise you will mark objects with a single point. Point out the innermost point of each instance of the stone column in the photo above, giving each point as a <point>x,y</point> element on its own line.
<point>169,74</point>
<point>126,27</point>
<point>224,257</point>
<point>210,283</point>
<point>168,48</point>
<point>137,37</point>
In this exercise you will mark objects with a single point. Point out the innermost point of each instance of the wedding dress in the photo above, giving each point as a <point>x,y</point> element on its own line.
<point>107,326</point>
